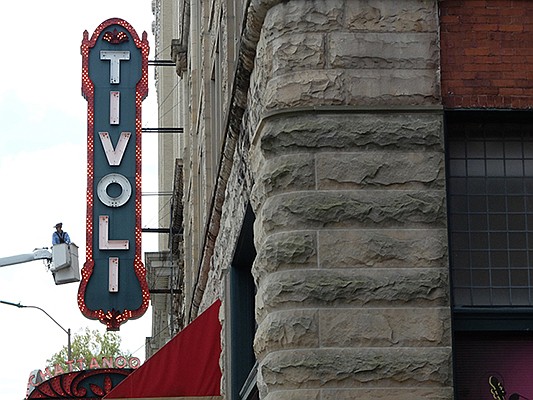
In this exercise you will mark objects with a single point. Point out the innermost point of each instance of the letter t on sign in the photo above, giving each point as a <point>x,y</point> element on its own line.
<point>114,58</point>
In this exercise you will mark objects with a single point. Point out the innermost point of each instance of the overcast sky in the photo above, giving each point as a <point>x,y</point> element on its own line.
<point>43,172</point>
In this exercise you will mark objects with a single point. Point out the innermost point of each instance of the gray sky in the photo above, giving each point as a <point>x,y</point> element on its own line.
<point>43,172</point>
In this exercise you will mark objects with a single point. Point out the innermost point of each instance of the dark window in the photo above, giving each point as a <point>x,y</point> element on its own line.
<point>490,205</point>
<point>490,220</point>
<point>242,315</point>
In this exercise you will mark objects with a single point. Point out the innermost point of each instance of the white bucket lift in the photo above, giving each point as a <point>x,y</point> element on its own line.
<point>62,261</point>
<point>65,264</point>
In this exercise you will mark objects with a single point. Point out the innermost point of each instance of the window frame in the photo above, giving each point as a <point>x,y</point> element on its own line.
<point>464,119</point>
<point>242,325</point>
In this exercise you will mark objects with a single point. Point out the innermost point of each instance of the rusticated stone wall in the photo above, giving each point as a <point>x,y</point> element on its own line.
<point>347,163</point>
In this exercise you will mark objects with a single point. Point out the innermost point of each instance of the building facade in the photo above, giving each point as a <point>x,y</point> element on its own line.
<point>354,183</point>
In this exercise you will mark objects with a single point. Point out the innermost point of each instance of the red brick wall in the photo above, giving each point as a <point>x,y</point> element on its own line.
<point>487,53</point>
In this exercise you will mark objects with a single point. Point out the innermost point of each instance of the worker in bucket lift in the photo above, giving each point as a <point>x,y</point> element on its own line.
<point>60,236</point>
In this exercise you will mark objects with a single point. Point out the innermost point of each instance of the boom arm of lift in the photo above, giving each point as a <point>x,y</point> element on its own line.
<point>62,261</point>
<point>38,254</point>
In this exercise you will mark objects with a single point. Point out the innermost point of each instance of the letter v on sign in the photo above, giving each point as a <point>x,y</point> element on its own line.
<point>114,155</point>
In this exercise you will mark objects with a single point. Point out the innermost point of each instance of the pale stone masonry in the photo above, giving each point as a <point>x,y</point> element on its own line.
<point>335,137</point>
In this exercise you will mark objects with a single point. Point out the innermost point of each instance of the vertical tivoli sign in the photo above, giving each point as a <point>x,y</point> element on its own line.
<point>113,286</point>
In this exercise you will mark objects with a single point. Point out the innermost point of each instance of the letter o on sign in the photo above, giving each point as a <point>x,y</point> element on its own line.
<point>104,184</point>
<point>121,362</point>
<point>134,363</point>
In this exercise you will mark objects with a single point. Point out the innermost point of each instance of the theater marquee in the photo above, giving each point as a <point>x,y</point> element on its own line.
<point>113,285</point>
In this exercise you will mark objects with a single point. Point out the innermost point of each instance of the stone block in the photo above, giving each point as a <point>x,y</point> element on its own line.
<point>297,52</point>
<point>286,250</point>
<point>392,16</point>
<point>383,248</point>
<point>391,87</point>
<point>313,394</point>
<point>342,209</point>
<point>385,327</point>
<point>306,88</point>
<point>304,16</point>
<point>383,50</point>
<point>284,174</point>
<point>356,87</point>
<point>287,330</point>
<point>352,367</point>
<point>317,288</point>
<point>376,169</point>
<point>396,393</point>
<point>352,131</point>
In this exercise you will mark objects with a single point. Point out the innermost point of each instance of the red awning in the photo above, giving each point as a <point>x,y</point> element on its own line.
<point>186,367</point>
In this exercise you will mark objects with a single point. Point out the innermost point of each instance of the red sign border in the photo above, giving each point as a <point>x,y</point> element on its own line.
<point>113,319</point>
